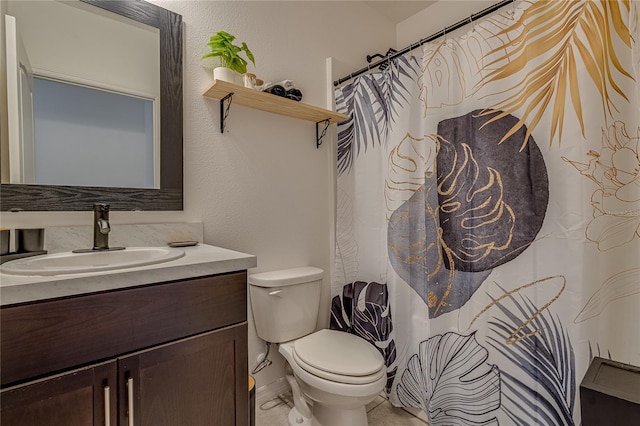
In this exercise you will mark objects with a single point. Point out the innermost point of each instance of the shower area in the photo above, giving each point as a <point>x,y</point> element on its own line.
<point>488,211</point>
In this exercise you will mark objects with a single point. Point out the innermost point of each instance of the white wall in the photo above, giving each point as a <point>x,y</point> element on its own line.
<point>262,187</point>
<point>436,17</point>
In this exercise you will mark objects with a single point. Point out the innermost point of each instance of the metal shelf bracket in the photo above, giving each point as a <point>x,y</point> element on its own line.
<point>224,110</point>
<point>320,135</point>
<point>225,106</point>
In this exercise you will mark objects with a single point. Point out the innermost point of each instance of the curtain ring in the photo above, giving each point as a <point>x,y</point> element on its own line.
<point>444,35</point>
<point>473,23</point>
<point>512,12</point>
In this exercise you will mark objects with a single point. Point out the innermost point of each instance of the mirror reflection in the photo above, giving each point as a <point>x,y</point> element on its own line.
<point>83,94</point>
<point>77,197</point>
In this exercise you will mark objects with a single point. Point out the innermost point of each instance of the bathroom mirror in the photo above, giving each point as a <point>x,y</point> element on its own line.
<point>165,190</point>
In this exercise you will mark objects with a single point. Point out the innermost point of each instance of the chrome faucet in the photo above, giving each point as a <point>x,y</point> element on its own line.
<point>101,227</point>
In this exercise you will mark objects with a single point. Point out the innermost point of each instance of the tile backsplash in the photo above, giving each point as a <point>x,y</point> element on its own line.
<point>66,238</point>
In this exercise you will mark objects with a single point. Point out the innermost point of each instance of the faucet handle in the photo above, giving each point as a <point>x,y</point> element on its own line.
<point>101,222</point>
<point>101,207</point>
<point>103,226</point>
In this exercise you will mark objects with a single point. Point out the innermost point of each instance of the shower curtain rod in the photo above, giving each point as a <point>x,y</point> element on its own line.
<point>459,24</point>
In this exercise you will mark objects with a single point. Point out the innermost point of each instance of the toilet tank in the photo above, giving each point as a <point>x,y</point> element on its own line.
<point>285,303</point>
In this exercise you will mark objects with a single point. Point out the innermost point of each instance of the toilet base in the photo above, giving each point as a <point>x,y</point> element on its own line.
<point>296,419</point>
<point>330,416</point>
<point>326,416</point>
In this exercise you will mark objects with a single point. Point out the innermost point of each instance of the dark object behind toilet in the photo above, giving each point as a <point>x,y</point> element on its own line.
<point>610,394</point>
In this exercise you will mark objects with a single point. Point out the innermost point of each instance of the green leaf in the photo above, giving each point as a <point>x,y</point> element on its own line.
<point>225,36</point>
<point>248,52</point>
<point>221,45</point>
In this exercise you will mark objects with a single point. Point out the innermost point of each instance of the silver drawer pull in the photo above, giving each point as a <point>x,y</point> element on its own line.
<point>107,406</point>
<point>275,293</point>
<point>130,400</point>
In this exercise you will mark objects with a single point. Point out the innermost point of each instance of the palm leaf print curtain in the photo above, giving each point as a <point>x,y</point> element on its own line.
<point>488,235</point>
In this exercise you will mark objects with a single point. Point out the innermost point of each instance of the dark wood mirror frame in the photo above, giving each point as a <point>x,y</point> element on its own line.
<point>169,196</point>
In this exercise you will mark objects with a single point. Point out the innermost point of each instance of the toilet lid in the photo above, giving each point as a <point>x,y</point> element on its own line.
<point>339,354</point>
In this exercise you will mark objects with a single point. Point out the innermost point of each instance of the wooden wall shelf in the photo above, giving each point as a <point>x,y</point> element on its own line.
<point>228,92</point>
<point>270,103</point>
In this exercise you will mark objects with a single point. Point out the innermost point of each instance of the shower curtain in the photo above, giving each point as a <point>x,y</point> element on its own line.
<point>488,213</point>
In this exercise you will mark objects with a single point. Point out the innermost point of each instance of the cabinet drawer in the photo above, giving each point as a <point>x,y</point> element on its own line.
<point>51,336</point>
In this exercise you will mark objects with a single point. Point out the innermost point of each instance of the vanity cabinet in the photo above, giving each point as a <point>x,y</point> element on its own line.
<point>169,354</point>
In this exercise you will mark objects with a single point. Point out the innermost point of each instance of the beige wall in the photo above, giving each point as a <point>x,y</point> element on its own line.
<point>262,187</point>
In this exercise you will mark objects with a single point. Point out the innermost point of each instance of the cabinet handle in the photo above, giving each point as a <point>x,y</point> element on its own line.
<point>107,406</point>
<point>275,293</point>
<point>130,400</point>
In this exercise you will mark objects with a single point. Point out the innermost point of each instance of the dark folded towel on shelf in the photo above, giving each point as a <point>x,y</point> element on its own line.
<point>294,94</point>
<point>278,90</point>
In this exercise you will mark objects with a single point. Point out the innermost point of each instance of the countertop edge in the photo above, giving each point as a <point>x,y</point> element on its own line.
<point>202,260</point>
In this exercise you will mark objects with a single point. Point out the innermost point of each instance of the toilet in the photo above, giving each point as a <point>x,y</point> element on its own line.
<point>333,374</point>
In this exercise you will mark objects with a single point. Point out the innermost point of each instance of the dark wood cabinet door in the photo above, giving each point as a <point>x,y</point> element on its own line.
<point>198,381</point>
<point>82,397</point>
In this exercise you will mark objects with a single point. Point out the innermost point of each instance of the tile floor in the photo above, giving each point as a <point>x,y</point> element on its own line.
<point>380,413</point>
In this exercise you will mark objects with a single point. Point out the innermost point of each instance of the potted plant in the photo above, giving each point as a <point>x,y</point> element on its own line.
<point>232,65</point>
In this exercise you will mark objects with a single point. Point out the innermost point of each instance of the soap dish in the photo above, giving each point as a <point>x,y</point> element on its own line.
<point>183,244</point>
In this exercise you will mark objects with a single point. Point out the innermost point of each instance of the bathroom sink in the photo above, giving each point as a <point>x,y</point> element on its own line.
<point>78,263</point>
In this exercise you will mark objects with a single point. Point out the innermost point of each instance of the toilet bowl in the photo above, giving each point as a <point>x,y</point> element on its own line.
<point>333,374</point>
<point>339,386</point>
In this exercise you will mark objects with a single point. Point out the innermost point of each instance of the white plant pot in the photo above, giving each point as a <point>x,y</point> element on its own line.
<point>228,75</point>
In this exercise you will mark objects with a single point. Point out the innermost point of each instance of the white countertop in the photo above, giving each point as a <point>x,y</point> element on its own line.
<point>201,260</point>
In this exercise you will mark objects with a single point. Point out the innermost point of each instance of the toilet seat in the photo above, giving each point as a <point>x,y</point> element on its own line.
<point>338,378</point>
<point>311,381</point>
<point>339,357</point>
